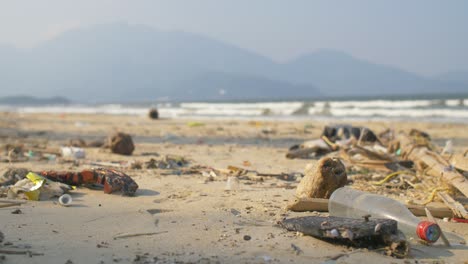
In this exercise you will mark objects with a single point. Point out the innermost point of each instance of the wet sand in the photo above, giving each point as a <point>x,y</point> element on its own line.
<point>187,218</point>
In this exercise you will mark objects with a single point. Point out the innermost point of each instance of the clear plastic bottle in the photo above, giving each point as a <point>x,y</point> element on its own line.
<point>347,202</point>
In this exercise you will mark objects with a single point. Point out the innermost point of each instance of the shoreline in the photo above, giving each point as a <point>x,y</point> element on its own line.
<point>191,217</point>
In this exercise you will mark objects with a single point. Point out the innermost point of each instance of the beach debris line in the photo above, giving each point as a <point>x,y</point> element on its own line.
<point>419,150</point>
<point>354,232</point>
<point>121,143</point>
<point>402,164</point>
<point>322,178</point>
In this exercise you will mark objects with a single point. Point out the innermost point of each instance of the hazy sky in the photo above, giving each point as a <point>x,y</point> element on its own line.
<point>423,36</point>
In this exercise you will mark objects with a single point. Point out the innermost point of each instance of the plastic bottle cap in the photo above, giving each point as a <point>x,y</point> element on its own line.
<point>428,231</point>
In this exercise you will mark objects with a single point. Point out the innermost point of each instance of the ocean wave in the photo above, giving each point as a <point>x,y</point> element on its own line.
<point>243,109</point>
<point>446,108</point>
<point>390,103</point>
<point>369,112</point>
<point>114,109</point>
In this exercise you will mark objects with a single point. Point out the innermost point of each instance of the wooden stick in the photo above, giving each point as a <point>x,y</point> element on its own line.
<point>19,252</point>
<point>456,207</point>
<point>3,205</point>
<point>12,201</point>
<point>321,205</point>
<point>301,153</point>
<point>139,234</point>
<point>309,204</point>
<point>433,162</point>
<point>432,219</point>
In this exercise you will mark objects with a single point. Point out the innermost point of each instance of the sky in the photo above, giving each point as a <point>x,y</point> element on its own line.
<point>427,37</point>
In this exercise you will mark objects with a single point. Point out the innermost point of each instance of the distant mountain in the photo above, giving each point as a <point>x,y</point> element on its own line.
<point>337,73</point>
<point>30,100</point>
<point>454,76</point>
<point>220,86</point>
<point>120,62</point>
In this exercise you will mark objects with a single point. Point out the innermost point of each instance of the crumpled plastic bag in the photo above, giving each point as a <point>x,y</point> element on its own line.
<point>35,187</point>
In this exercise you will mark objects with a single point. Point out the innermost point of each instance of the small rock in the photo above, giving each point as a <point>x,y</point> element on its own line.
<point>247,237</point>
<point>121,143</point>
<point>153,113</point>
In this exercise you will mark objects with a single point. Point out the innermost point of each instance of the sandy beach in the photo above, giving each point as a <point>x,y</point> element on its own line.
<point>186,218</point>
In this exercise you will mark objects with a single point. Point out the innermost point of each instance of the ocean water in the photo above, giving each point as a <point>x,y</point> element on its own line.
<point>447,109</point>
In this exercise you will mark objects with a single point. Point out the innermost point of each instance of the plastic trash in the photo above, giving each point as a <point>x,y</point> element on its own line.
<point>448,148</point>
<point>65,200</point>
<point>232,184</point>
<point>347,202</point>
<point>73,152</point>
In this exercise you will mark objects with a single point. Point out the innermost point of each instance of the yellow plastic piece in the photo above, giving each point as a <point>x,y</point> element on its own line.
<point>389,177</point>
<point>34,193</point>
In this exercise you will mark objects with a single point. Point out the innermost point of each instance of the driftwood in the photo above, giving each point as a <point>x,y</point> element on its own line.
<point>357,232</point>
<point>322,178</point>
<point>458,160</point>
<point>139,234</point>
<point>456,207</point>
<point>321,205</point>
<point>12,201</point>
<point>4,205</point>
<point>19,252</point>
<point>431,162</point>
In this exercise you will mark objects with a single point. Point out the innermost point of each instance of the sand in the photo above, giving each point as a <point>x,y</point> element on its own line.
<point>186,218</point>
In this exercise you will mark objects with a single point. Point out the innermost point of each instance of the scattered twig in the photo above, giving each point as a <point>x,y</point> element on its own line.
<point>442,235</point>
<point>139,234</point>
<point>3,205</point>
<point>12,201</point>
<point>20,252</point>
<point>296,249</point>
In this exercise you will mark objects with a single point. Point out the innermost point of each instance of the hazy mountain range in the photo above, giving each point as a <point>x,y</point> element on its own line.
<point>120,62</point>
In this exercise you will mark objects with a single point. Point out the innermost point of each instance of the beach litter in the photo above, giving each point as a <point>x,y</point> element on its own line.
<point>35,187</point>
<point>408,166</point>
<point>47,184</point>
<point>354,232</point>
<point>65,200</point>
<point>347,202</point>
<point>73,152</point>
<point>112,180</point>
<point>401,164</point>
